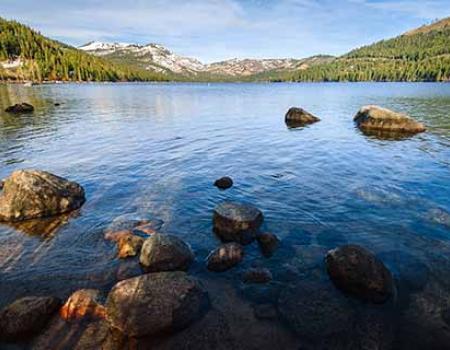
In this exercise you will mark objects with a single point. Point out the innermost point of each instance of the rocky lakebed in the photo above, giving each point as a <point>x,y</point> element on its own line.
<point>240,276</point>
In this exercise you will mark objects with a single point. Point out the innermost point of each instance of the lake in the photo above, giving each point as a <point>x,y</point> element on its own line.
<point>154,151</point>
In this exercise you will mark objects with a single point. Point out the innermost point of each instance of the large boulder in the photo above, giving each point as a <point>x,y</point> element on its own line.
<point>374,118</point>
<point>162,252</point>
<point>156,303</point>
<point>225,257</point>
<point>297,117</point>
<point>26,317</point>
<point>20,108</point>
<point>237,222</point>
<point>31,194</point>
<point>357,271</point>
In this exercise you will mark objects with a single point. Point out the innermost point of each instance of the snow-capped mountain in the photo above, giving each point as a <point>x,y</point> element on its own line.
<point>158,58</point>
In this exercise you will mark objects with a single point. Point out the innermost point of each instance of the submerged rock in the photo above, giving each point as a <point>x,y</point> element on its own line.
<point>162,252</point>
<point>20,108</point>
<point>268,243</point>
<point>257,275</point>
<point>83,304</point>
<point>237,222</point>
<point>224,183</point>
<point>129,245</point>
<point>31,194</point>
<point>155,303</point>
<point>314,310</point>
<point>357,271</point>
<point>373,118</point>
<point>298,117</point>
<point>225,257</point>
<point>26,317</point>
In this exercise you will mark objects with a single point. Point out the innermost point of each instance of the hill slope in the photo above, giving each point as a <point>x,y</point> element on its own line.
<point>422,54</point>
<point>27,55</point>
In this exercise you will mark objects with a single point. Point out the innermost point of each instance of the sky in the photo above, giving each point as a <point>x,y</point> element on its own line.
<point>215,30</point>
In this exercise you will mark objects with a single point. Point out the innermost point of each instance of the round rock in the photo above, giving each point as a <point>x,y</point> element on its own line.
<point>20,108</point>
<point>268,243</point>
<point>225,257</point>
<point>155,303</point>
<point>162,252</point>
<point>26,317</point>
<point>297,117</point>
<point>31,194</point>
<point>237,222</point>
<point>224,183</point>
<point>357,271</point>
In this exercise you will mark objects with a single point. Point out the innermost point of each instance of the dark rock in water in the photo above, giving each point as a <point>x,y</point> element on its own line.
<point>155,303</point>
<point>31,194</point>
<point>82,305</point>
<point>57,104</point>
<point>129,245</point>
<point>20,108</point>
<point>257,275</point>
<point>26,317</point>
<point>225,257</point>
<point>298,117</point>
<point>237,222</point>
<point>357,271</point>
<point>268,243</point>
<point>370,118</point>
<point>224,183</point>
<point>162,252</point>
<point>314,310</point>
<point>265,311</point>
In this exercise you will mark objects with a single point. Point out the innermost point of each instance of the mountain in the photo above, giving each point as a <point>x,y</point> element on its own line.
<point>27,55</point>
<point>154,57</point>
<point>422,54</point>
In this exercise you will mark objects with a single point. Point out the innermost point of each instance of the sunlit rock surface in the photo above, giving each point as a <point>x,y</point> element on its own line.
<point>31,194</point>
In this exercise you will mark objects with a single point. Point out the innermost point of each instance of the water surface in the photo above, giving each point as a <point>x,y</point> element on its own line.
<point>154,150</point>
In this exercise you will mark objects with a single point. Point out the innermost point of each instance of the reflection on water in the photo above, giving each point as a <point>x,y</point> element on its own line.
<point>153,151</point>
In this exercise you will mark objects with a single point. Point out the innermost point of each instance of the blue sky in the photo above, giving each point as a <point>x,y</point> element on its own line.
<point>213,30</point>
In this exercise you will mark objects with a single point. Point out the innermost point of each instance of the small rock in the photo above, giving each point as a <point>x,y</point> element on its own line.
<point>268,243</point>
<point>117,235</point>
<point>162,252</point>
<point>357,271</point>
<point>298,117</point>
<point>257,275</point>
<point>26,317</point>
<point>57,104</point>
<point>83,304</point>
<point>224,183</point>
<point>31,194</point>
<point>129,245</point>
<point>265,311</point>
<point>237,222</point>
<point>20,108</point>
<point>225,257</point>
<point>156,303</point>
<point>370,118</point>
<point>146,229</point>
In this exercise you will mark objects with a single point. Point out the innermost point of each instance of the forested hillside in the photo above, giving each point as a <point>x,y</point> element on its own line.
<point>27,55</point>
<point>419,55</point>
